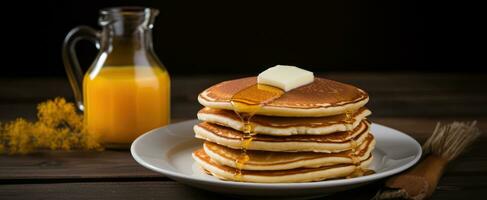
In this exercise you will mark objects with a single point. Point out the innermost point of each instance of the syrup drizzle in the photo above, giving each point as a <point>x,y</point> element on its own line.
<point>361,172</point>
<point>246,103</point>
<point>353,154</point>
<point>349,119</point>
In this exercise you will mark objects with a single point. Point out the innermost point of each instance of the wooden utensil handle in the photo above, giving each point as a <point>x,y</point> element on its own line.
<point>420,182</point>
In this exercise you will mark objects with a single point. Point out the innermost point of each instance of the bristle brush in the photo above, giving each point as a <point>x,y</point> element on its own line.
<point>445,144</point>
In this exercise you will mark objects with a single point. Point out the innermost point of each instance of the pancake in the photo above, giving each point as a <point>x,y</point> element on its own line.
<point>285,126</point>
<point>266,160</point>
<point>322,97</point>
<point>336,142</point>
<point>278,176</point>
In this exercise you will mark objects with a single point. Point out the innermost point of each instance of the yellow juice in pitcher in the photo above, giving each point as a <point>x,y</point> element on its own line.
<point>124,102</point>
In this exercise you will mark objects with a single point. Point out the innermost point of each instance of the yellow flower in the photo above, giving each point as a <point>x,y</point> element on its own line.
<point>59,127</point>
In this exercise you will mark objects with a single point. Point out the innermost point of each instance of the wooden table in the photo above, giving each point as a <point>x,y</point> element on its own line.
<point>408,101</point>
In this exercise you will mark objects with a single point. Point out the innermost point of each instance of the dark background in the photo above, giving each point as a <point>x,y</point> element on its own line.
<point>203,37</point>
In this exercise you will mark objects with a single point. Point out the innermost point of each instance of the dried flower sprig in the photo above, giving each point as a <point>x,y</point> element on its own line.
<point>59,127</point>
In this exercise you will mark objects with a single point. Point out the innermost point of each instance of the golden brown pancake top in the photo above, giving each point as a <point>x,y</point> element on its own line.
<point>337,137</point>
<point>320,93</point>
<point>200,153</point>
<point>285,122</point>
<point>273,158</point>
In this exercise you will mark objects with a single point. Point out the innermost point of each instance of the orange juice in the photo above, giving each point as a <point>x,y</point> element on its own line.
<point>123,102</point>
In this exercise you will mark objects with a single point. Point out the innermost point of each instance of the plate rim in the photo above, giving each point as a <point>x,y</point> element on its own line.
<point>329,183</point>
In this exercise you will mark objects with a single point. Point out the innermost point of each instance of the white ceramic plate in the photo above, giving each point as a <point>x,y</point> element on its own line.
<point>167,150</point>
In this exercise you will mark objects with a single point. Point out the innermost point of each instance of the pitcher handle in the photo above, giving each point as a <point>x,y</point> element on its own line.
<point>70,60</point>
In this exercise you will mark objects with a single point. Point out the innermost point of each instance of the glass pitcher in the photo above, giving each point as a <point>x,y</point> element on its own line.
<point>126,91</point>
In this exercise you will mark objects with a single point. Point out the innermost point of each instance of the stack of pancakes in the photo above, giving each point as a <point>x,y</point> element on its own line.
<point>315,132</point>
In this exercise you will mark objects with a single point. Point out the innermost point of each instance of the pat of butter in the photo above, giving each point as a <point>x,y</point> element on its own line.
<point>285,77</point>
